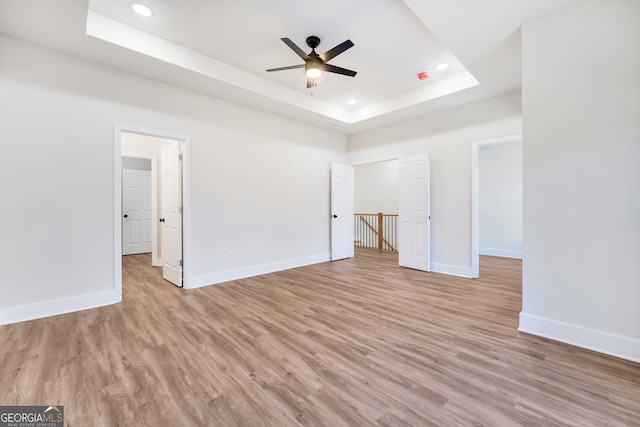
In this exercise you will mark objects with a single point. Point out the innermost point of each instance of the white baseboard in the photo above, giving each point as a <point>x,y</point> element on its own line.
<point>255,270</point>
<point>506,253</point>
<point>59,306</point>
<point>613,345</point>
<point>452,270</point>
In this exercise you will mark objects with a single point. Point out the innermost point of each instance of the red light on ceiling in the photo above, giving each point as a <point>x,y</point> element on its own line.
<point>424,75</point>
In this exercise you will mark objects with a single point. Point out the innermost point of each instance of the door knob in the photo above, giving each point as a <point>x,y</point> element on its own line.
<point>126,216</point>
<point>161,220</point>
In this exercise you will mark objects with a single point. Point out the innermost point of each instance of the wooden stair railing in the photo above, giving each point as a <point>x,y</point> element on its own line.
<point>379,231</point>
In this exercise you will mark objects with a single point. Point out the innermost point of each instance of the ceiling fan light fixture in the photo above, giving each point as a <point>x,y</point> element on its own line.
<point>313,67</point>
<point>314,73</point>
<point>315,64</point>
<point>141,9</point>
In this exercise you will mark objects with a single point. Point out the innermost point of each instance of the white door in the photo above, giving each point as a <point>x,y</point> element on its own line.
<point>171,218</point>
<point>136,212</point>
<point>342,233</point>
<point>414,215</point>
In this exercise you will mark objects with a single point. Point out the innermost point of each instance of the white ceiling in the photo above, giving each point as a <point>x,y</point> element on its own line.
<point>223,47</point>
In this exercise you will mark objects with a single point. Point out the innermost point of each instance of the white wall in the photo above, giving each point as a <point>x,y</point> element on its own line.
<point>376,187</point>
<point>141,146</point>
<point>581,106</point>
<point>259,195</point>
<point>136,164</point>
<point>447,136</point>
<point>500,199</point>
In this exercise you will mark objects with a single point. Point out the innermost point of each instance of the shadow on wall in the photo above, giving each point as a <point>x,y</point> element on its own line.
<point>455,119</point>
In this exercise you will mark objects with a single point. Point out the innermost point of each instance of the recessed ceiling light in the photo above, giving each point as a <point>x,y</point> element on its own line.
<point>442,67</point>
<point>141,9</point>
<point>351,102</point>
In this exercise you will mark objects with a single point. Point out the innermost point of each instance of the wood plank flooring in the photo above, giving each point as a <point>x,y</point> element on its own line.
<point>349,343</point>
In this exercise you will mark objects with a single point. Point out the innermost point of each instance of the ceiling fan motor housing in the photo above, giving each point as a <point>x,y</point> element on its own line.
<point>313,42</point>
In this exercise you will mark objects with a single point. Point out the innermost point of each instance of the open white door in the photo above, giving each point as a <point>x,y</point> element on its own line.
<point>171,219</point>
<point>414,215</point>
<point>136,212</point>
<point>342,230</point>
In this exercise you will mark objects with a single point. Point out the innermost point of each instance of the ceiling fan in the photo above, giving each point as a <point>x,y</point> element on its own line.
<point>315,64</point>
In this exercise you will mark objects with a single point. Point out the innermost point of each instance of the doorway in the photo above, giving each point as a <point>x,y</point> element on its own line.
<point>500,218</point>
<point>376,191</point>
<point>153,145</point>
<point>392,206</point>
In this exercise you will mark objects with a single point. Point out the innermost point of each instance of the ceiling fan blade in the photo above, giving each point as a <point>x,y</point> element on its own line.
<point>295,48</point>
<point>339,70</point>
<point>332,53</point>
<point>290,67</point>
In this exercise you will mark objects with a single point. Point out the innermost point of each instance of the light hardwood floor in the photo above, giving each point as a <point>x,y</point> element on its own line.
<point>353,342</point>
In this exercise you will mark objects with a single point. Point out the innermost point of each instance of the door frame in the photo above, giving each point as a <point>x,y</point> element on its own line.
<point>475,195</point>
<point>119,128</point>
